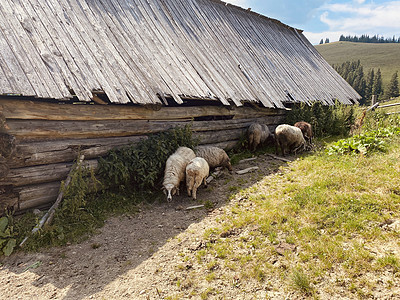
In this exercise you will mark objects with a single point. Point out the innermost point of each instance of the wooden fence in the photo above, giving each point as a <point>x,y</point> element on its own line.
<point>389,105</point>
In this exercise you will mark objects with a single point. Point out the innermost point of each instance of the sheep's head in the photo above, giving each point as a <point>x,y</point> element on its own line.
<point>169,190</point>
<point>229,166</point>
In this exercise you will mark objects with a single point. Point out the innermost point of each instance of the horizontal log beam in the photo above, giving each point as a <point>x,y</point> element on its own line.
<point>51,152</point>
<point>38,195</point>
<point>41,174</point>
<point>34,130</point>
<point>34,110</point>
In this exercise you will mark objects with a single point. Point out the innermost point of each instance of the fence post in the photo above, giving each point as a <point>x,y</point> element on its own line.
<point>374,99</point>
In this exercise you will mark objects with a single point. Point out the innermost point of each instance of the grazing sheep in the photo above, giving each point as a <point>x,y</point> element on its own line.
<point>257,134</point>
<point>175,170</point>
<point>215,157</point>
<point>306,129</point>
<point>197,172</point>
<point>289,138</point>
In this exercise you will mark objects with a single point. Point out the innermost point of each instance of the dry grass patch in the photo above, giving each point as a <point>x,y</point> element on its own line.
<point>318,219</point>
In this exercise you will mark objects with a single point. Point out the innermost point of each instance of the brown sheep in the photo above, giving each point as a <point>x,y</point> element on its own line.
<point>306,129</point>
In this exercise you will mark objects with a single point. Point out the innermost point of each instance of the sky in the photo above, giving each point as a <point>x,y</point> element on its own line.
<point>322,19</point>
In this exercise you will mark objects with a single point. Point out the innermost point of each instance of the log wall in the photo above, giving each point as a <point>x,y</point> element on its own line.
<point>49,136</point>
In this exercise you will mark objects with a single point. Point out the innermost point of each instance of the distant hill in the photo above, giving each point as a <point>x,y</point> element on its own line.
<point>383,56</point>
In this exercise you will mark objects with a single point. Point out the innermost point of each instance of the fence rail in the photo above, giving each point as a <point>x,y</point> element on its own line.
<point>387,105</point>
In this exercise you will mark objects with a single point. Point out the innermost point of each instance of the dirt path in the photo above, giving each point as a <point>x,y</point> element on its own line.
<point>132,257</point>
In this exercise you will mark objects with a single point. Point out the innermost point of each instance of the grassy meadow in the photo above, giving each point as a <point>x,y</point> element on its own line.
<point>324,226</point>
<point>383,56</point>
<point>320,227</point>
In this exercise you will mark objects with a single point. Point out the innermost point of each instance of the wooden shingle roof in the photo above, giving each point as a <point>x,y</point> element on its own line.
<point>143,51</point>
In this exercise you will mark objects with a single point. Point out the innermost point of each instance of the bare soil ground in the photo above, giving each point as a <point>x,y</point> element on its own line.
<point>132,256</point>
<point>152,255</point>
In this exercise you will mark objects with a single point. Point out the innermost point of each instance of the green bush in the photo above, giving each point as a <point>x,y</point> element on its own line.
<point>141,166</point>
<point>325,120</point>
<point>378,119</point>
<point>365,143</point>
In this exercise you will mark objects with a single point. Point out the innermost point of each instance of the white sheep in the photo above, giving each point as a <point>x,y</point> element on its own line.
<point>197,172</point>
<point>175,168</point>
<point>257,134</point>
<point>289,138</point>
<point>215,157</point>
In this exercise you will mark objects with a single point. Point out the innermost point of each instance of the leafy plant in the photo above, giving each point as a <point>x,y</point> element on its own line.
<point>325,120</point>
<point>7,240</point>
<point>364,143</point>
<point>141,166</point>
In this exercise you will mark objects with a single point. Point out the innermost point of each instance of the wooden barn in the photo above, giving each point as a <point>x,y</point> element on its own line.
<point>94,75</point>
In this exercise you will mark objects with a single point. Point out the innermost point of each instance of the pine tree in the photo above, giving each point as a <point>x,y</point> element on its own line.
<point>353,73</point>
<point>393,88</point>
<point>369,84</point>
<point>327,41</point>
<point>378,88</point>
<point>321,41</point>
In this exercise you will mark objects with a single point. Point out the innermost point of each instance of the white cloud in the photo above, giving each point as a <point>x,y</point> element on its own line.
<point>364,18</point>
<point>357,17</point>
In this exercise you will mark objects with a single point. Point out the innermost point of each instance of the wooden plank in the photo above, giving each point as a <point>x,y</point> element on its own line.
<point>45,86</point>
<point>194,85</point>
<point>8,199</point>
<point>30,130</point>
<point>26,110</point>
<point>225,52</point>
<point>43,153</point>
<point>92,53</point>
<point>210,137</point>
<point>45,58</point>
<point>388,105</point>
<point>196,52</point>
<point>43,34</point>
<point>76,66</point>
<point>9,60</point>
<point>37,195</point>
<point>145,41</point>
<point>56,151</point>
<point>137,70</point>
<point>41,174</point>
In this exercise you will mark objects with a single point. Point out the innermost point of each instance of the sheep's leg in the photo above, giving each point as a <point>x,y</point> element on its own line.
<point>195,186</point>
<point>189,185</point>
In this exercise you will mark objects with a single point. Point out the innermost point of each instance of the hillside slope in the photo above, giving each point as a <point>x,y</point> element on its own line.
<point>384,56</point>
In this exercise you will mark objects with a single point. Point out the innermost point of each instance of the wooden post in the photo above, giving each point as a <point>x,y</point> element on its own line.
<point>48,217</point>
<point>374,99</point>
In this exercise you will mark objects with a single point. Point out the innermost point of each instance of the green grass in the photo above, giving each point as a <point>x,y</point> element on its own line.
<point>330,207</point>
<point>392,108</point>
<point>383,56</point>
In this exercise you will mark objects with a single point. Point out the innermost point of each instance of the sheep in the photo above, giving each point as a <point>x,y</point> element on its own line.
<point>306,129</point>
<point>215,157</point>
<point>290,138</point>
<point>197,172</point>
<point>175,168</point>
<point>257,134</point>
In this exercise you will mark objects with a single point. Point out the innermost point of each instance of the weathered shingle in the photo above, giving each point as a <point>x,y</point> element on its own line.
<point>139,51</point>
